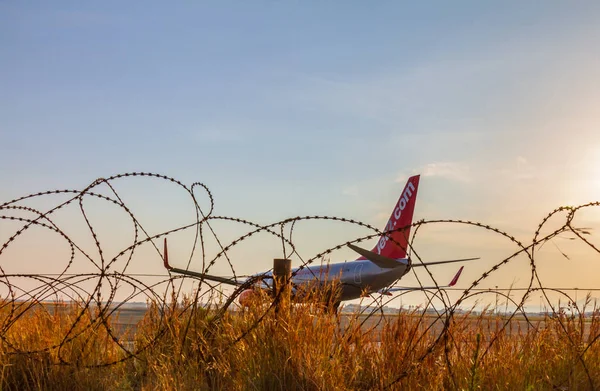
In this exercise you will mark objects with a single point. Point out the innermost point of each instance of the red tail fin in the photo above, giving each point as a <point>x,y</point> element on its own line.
<point>402,216</point>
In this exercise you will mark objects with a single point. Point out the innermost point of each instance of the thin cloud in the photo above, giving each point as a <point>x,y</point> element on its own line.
<point>351,191</point>
<point>454,171</point>
<point>520,169</point>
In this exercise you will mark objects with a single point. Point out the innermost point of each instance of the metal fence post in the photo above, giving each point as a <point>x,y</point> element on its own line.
<point>282,273</point>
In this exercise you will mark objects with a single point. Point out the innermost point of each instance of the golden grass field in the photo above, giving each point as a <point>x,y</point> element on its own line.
<point>188,348</point>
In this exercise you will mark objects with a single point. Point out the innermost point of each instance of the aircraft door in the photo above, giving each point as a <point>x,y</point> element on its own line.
<point>358,273</point>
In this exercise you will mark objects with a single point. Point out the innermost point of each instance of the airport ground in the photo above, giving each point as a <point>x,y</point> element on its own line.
<point>372,321</point>
<point>175,348</point>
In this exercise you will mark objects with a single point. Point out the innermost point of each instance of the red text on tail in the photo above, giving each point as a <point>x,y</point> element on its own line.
<point>394,242</point>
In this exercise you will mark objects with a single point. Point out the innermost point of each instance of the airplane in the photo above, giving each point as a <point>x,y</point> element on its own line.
<point>374,271</point>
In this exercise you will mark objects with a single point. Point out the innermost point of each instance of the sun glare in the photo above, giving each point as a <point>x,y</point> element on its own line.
<point>585,181</point>
<point>594,174</point>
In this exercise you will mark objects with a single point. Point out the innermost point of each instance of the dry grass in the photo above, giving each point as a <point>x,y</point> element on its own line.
<point>190,348</point>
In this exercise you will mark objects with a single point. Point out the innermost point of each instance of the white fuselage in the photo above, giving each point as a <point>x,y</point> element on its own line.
<point>356,278</point>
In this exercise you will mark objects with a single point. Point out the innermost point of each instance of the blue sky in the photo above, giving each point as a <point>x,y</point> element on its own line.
<point>288,108</point>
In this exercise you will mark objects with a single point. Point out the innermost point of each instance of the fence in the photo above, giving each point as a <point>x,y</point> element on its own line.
<point>100,292</point>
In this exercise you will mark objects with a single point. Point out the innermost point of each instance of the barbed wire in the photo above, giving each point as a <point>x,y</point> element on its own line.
<point>111,285</point>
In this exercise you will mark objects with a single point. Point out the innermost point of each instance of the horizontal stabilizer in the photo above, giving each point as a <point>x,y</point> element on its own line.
<point>379,260</point>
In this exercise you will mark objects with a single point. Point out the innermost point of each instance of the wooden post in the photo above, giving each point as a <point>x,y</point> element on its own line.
<point>282,273</point>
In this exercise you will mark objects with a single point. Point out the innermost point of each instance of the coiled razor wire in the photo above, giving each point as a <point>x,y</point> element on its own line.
<point>97,291</point>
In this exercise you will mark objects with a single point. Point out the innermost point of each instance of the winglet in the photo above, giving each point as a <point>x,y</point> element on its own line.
<point>166,256</point>
<point>455,279</point>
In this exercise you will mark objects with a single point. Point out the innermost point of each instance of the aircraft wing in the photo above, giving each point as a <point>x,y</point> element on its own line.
<point>441,262</point>
<point>388,291</point>
<point>223,280</point>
